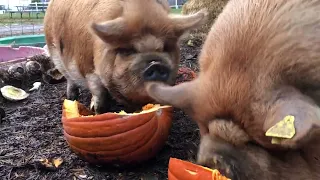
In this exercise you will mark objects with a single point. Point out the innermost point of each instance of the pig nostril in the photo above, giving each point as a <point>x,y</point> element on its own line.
<point>157,72</point>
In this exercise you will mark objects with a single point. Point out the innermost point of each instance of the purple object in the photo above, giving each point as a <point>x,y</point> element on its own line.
<point>7,53</point>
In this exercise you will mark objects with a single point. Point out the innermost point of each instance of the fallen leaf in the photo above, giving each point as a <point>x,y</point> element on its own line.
<point>50,164</point>
<point>83,176</point>
<point>46,163</point>
<point>57,162</point>
<point>190,43</point>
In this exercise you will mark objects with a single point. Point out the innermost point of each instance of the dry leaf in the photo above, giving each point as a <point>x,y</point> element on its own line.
<point>50,164</point>
<point>83,176</point>
<point>57,162</point>
<point>46,163</point>
<point>190,43</point>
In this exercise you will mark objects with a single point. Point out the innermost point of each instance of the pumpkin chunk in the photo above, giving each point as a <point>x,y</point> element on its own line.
<point>184,170</point>
<point>71,108</point>
<point>147,107</point>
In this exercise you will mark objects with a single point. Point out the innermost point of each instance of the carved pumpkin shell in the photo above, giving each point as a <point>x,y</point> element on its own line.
<point>116,137</point>
<point>184,170</point>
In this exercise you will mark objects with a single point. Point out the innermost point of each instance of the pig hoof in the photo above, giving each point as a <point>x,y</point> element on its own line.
<point>225,165</point>
<point>73,95</point>
<point>72,92</point>
<point>100,109</point>
<point>98,106</point>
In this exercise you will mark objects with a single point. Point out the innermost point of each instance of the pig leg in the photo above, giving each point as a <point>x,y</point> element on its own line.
<point>102,100</point>
<point>203,128</point>
<point>56,57</point>
<point>253,162</point>
<point>241,162</point>
<point>217,147</point>
<point>72,91</point>
<point>216,154</point>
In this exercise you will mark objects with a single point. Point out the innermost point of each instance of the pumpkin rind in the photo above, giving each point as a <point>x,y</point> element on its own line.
<point>112,137</point>
<point>184,170</point>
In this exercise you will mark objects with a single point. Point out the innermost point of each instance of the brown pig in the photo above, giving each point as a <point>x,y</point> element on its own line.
<point>108,46</point>
<point>229,149</point>
<point>259,63</point>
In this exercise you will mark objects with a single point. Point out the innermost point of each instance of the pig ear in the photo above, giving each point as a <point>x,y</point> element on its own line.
<point>292,123</point>
<point>109,30</point>
<point>179,96</point>
<point>187,22</point>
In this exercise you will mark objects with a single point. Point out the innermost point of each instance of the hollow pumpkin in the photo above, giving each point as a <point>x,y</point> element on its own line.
<point>184,170</point>
<point>119,138</point>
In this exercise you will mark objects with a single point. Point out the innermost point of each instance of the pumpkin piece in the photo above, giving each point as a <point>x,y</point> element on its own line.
<point>184,170</point>
<point>147,107</point>
<point>119,138</point>
<point>71,108</point>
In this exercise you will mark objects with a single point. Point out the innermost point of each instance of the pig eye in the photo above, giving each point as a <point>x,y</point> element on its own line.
<point>125,51</point>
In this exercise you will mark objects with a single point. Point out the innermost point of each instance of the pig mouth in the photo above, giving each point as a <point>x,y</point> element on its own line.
<point>124,102</point>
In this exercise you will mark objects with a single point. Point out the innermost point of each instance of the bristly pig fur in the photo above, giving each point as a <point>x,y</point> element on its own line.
<point>105,45</point>
<point>227,148</point>
<point>259,63</point>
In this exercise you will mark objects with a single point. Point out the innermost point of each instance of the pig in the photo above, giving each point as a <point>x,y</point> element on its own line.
<point>228,148</point>
<point>259,63</point>
<point>111,46</point>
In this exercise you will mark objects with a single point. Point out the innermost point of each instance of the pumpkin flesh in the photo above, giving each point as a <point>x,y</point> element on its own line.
<point>72,109</point>
<point>184,170</point>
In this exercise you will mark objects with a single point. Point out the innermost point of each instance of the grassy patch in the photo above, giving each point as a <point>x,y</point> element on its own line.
<point>176,11</point>
<point>16,18</point>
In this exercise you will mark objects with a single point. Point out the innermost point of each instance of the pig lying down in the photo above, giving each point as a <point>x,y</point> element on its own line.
<point>259,64</point>
<point>108,46</point>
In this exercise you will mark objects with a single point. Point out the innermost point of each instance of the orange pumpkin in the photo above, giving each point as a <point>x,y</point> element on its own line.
<point>116,137</point>
<point>184,170</point>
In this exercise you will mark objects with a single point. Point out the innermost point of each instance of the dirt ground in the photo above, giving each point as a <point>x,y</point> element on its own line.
<point>32,130</point>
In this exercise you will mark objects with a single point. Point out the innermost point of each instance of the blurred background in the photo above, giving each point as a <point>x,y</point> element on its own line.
<point>25,17</point>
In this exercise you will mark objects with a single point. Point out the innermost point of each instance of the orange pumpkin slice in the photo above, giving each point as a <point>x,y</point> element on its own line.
<point>113,137</point>
<point>72,109</point>
<point>184,170</point>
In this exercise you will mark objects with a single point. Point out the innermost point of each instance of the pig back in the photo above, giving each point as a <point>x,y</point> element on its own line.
<point>67,29</point>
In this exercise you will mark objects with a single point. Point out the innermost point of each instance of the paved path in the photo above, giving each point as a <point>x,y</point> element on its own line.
<point>7,30</point>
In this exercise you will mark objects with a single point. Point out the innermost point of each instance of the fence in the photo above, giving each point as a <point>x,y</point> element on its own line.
<point>10,28</point>
<point>29,19</point>
<point>23,20</point>
<point>176,3</point>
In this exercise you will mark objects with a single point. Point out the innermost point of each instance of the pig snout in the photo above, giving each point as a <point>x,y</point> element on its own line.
<point>157,71</point>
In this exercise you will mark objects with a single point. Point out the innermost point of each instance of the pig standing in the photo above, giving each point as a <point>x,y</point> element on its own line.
<point>109,45</point>
<point>259,63</point>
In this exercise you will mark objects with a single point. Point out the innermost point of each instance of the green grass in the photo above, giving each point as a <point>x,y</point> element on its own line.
<point>176,11</point>
<point>16,18</point>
